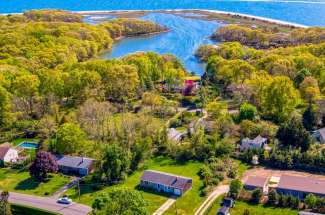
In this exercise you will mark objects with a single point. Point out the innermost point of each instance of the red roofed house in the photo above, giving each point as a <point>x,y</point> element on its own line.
<point>165,182</point>
<point>8,154</point>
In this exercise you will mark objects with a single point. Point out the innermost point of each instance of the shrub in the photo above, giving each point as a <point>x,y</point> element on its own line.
<point>257,196</point>
<point>235,188</point>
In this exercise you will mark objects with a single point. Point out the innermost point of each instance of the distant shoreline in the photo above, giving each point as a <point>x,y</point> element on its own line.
<point>259,18</point>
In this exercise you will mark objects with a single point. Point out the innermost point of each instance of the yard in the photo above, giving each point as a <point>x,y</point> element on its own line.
<point>253,209</point>
<point>185,204</point>
<point>21,182</point>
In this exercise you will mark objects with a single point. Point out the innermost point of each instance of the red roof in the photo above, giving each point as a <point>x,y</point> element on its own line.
<point>3,150</point>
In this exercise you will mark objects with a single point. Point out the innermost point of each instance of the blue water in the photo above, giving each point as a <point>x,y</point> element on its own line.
<point>28,145</point>
<point>307,12</point>
<point>185,37</point>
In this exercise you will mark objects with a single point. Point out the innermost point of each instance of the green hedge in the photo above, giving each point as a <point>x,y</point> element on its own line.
<point>26,210</point>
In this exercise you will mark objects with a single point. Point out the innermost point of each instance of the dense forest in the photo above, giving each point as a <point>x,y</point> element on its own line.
<point>266,38</point>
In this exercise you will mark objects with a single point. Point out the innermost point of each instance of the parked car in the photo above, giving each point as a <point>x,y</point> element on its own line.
<point>64,200</point>
<point>228,202</point>
<point>223,211</point>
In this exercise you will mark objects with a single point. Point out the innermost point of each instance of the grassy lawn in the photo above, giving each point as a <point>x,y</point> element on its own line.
<point>185,204</point>
<point>20,181</point>
<point>17,141</point>
<point>253,209</point>
<point>26,210</point>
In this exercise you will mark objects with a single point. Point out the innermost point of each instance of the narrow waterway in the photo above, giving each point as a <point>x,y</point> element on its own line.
<point>186,35</point>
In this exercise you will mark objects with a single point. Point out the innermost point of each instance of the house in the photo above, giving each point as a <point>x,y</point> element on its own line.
<point>165,182</point>
<point>307,213</point>
<point>300,186</point>
<point>8,154</point>
<point>319,135</point>
<point>191,85</point>
<point>258,143</point>
<point>257,182</point>
<point>74,165</point>
<point>175,135</point>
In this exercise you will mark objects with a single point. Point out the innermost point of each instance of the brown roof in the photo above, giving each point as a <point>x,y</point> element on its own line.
<point>256,181</point>
<point>4,148</point>
<point>303,184</point>
<point>166,179</point>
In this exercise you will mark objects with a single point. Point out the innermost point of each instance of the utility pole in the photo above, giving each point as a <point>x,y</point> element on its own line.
<point>176,207</point>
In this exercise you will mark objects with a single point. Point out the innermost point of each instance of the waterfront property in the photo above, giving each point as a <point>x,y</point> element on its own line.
<point>8,154</point>
<point>165,182</point>
<point>258,143</point>
<point>300,186</point>
<point>74,165</point>
<point>257,182</point>
<point>319,135</point>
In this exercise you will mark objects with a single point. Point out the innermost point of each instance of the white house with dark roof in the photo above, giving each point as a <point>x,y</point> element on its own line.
<point>74,165</point>
<point>165,182</point>
<point>319,135</point>
<point>8,154</point>
<point>258,143</point>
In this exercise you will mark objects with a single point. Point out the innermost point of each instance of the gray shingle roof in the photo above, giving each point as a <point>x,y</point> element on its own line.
<point>74,162</point>
<point>166,179</point>
<point>303,184</point>
<point>256,181</point>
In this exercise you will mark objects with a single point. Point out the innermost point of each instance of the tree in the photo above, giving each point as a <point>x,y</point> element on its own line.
<point>43,164</point>
<point>247,111</point>
<point>115,163</point>
<point>310,200</point>
<point>257,195</point>
<point>273,197</point>
<point>279,99</point>
<point>217,109</point>
<point>309,118</point>
<point>293,133</point>
<point>5,208</point>
<point>5,106</point>
<point>70,139</point>
<point>309,89</point>
<point>235,188</point>
<point>120,201</point>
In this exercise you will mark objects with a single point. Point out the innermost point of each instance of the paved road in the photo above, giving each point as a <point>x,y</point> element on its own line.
<point>48,204</point>
<point>165,206</point>
<point>211,198</point>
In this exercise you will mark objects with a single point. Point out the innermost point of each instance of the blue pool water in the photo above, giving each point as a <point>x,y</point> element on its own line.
<point>307,12</point>
<point>28,145</point>
<point>185,37</point>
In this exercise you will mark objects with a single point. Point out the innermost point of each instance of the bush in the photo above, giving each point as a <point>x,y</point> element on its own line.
<point>235,188</point>
<point>257,196</point>
<point>273,198</point>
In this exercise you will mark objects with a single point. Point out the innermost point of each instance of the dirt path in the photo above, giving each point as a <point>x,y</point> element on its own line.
<point>211,198</point>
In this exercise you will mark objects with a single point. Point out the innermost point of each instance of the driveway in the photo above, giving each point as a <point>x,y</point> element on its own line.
<point>49,204</point>
<point>165,206</point>
<point>66,187</point>
<point>211,198</point>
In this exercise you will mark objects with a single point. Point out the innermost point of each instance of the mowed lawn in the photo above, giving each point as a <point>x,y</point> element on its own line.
<point>185,204</point>
<point>21,182</point>
<point>253,209</point>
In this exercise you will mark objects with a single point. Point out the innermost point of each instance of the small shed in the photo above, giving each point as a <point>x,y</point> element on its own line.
<point>319,135</point>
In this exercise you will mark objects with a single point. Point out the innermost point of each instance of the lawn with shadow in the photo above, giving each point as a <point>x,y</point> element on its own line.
<point>21,182</point>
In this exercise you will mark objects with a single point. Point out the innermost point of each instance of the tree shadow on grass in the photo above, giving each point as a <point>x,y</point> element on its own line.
<point>151,191</point>
<point>27,184</point>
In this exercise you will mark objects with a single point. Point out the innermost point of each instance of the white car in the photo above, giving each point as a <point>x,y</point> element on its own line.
<point>64,200</point>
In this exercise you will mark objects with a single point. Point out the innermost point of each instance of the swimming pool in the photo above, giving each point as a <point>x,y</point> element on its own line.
<point>28,145</point>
